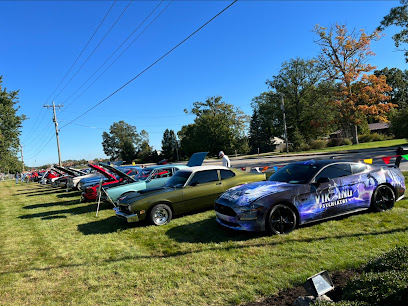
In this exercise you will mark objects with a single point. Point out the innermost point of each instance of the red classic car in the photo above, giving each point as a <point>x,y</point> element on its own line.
<point>122,176</point>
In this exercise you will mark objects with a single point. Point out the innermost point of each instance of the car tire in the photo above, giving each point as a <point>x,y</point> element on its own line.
<point>281,220</point>
<point>383,198</point>
<point>160,214</point>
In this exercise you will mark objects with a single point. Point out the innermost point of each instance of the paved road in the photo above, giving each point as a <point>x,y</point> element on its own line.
<point>280,160</point>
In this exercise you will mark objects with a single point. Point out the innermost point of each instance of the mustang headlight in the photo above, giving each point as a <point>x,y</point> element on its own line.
<point>250,208</point>
<point>249,212</point>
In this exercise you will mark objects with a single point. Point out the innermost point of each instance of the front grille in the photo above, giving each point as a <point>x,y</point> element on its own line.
<point>225,210</point>
<point>124,209</point>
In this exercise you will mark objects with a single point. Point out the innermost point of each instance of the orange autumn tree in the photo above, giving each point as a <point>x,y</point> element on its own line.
<point>344,56</point>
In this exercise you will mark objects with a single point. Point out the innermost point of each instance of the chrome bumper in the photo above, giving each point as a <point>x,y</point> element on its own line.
<point>122,215</point>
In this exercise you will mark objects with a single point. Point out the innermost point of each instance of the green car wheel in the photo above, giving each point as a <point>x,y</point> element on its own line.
<point>160,214</point>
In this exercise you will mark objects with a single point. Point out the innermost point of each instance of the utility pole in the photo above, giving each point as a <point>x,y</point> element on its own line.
<point>56,127</point>
<point>22,156</point>
<point>284,124</point>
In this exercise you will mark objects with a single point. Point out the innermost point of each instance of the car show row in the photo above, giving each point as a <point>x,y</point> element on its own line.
<point>297,194</point>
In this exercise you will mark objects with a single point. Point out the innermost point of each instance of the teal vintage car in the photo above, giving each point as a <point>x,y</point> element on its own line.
<point>152,177</point>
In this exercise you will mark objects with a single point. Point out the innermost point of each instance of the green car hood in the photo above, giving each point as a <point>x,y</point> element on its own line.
<point>144,193</point>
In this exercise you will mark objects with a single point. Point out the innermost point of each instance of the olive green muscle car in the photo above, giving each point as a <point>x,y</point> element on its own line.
<point>192,189</point>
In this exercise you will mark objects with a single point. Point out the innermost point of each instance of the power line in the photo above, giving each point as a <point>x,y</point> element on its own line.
<point>39,151</point>
<point>90,39</point>
<point>103,38</point>
<point>115,52</point>
<point>154,63</point>
<point>72,66</point>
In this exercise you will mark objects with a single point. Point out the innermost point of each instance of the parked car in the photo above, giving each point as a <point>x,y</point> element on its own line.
<point>66,178</point>
<point>103,172</point>
<point>50,176</point>
<point>304,192</point>
<point>152,177</point>
<point>189,189</point>
<point>116,178</point>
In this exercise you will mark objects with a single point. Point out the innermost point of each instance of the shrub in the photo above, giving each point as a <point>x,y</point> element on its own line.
<point>384,280</point>
<point>347,142</point>
<point>334,142</point>
<point>378,288</point>
<point>396,259</point>
<point>318,144</point>
<point>378,137</point>
<point>304,147</point>
<point>365,138</point>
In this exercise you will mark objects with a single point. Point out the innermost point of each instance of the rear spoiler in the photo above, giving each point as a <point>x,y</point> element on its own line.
<point>400,151</point>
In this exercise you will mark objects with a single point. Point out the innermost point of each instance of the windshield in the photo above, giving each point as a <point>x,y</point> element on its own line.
<point>144,174</point>
<point>179,178</point>
<point>295,173</point>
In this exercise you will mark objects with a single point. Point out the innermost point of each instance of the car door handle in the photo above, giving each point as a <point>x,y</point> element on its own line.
<point>219,183</point>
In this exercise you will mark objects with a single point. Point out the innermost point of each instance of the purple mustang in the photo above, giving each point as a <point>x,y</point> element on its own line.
<point>304,192</point>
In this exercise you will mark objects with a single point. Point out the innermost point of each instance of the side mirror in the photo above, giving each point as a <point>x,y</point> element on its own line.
<point>322,180</point>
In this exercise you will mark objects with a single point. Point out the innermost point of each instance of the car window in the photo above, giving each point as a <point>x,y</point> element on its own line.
<point>295,173</point>
<point>226,174</point>
<point>205,176</point>
<point>164,172</point>
<point>179,178</point>
<point>358,168</point>
<point>335,171</point>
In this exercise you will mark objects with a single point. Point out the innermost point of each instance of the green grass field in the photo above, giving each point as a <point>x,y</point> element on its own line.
<point>54,250</point>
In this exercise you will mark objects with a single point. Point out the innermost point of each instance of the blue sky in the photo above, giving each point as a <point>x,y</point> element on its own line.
<point>232,57</point>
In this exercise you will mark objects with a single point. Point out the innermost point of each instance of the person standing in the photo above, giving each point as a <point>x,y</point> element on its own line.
<point>17,177</point>
<point>225,160</point>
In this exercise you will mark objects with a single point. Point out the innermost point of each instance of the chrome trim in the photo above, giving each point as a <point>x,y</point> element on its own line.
<point>129,218</point>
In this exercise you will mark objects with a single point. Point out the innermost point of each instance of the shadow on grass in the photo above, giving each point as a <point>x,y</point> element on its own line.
<point>207,231</point>
<point>216,248</point>
<point>69,194</point>
<point>54,217</point>
<point>39,192</point>
<point>52,204</point>
<point>72,211</point>
<point>106,226</point>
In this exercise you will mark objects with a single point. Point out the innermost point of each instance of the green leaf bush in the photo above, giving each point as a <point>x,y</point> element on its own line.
<point>383,282</point>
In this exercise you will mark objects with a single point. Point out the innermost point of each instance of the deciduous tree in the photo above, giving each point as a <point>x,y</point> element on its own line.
<point>398,16</point>
<point>10,124</point>
<point>344,56</point>
<point>306,96</point>
<point>122,141</point>
<point>398,80</point>
<point>217,126</point>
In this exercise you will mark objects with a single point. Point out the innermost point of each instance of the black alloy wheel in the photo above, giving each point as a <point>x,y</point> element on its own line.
<point>383,198</point>
<point>282,219</point>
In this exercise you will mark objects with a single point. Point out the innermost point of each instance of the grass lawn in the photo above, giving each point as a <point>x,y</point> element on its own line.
<point>54,250</point>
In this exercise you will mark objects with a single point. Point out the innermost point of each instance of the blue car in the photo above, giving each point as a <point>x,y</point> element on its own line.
<point>304,192</point>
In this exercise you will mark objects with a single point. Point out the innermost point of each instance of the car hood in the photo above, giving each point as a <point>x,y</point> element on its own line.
<point>144,193</point>
<point>197,159</point>
<point>102,171</point>
<point>246,194</point>
<point>118,172</point>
